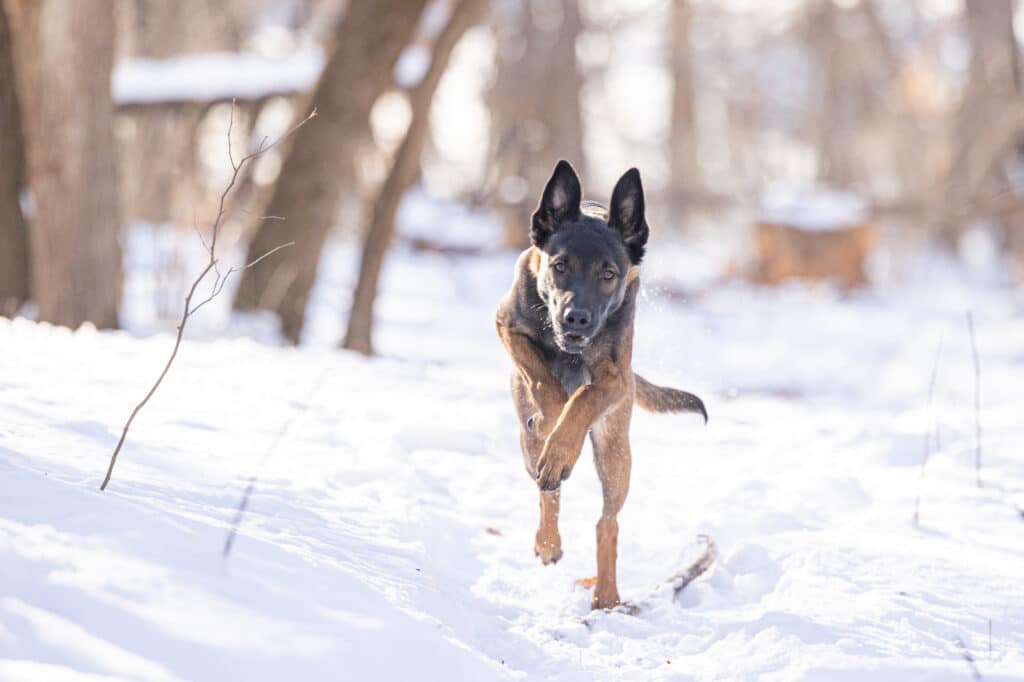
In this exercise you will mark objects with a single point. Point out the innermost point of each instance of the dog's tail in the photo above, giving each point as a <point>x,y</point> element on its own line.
<point>661,399</point>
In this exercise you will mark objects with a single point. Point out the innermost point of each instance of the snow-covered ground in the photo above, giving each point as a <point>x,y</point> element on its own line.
<point>390,533</point>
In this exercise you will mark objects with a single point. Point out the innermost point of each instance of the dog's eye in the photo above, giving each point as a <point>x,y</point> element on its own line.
<point>559,267</point>
<point>608,275</point>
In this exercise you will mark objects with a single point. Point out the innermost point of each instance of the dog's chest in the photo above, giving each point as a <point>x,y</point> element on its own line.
<point>573,373</point>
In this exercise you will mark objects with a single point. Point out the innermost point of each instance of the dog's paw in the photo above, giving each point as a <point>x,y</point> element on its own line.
<point>605,597</point>
<point>554,466</point>
<point>549,551</point>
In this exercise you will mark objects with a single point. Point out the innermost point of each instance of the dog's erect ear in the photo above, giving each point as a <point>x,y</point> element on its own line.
<point>626,214</point>
<point>561,201</point>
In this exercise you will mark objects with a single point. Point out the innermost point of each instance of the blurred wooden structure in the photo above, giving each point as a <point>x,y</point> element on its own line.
<point>820,235</point>
<point>787,252</point>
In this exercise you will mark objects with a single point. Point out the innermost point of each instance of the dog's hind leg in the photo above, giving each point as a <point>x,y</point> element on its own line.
<point>548,543</point>
<point>613,460</point>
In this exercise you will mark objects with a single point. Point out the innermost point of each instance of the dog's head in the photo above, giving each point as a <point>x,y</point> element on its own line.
<point>585,260</point>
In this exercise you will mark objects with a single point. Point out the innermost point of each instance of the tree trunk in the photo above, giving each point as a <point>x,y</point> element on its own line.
<point>64,53</point>
<point>856,68</point>
<point>14,277</point>
<point>404,170</point>
<point>989,124</point>
<point>532,127</point>
<point>312,181</point>
<point>992,80</point>
<point>686,177</point>
<point>835,116</point>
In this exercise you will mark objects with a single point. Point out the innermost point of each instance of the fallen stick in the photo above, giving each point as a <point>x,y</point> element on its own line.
<point>697,568</point>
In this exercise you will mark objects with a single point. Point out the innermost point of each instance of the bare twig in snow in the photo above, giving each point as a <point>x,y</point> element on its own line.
<point>968,657</point>
<point>977,399</point>
<point>250,488</point>
<point>928,430</point>
<point>219,281</point>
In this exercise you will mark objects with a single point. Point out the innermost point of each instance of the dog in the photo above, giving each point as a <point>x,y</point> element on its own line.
<point>567,323</point>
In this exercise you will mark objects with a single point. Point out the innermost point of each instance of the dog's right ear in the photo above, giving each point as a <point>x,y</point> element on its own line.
<point>561,201</point>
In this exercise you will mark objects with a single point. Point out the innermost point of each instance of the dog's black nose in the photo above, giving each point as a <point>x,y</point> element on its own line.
<point>577,318</point>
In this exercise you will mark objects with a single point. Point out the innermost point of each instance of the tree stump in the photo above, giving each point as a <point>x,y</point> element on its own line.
<point>822,236</point>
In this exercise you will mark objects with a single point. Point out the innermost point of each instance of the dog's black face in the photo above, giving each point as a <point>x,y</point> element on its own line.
<point>585,260</point>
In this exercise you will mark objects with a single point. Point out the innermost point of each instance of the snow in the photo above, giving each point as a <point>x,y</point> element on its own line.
<point>447,224</point>
<point>215,76</point>
<point>365,551</point>
<point>813,208</point>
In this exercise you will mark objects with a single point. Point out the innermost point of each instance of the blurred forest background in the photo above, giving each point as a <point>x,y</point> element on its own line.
<point>115,115</point>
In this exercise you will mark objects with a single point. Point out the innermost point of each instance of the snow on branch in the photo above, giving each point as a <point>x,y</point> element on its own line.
<point>214,77</point>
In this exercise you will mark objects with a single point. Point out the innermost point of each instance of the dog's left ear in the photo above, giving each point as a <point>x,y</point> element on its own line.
<point>626,214</point>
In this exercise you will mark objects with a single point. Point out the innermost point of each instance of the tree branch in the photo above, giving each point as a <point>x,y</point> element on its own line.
<point>930,417</point>
<point>977,399</point>
<point>218,285</point>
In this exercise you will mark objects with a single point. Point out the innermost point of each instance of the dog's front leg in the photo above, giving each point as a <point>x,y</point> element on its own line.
<point>545,390</point>
<point>585,407</point>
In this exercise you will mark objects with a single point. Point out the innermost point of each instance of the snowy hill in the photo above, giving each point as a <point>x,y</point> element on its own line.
<point>389,536</point>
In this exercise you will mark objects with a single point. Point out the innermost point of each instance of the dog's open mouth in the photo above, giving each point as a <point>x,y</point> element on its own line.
<point>573,342</point>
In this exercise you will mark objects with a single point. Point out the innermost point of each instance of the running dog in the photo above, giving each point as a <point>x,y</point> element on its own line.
<point>567,323</point>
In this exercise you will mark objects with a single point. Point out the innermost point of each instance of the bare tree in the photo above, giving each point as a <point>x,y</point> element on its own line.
<point>533,126</point>
<point>14,276</point>
<point>403,173</point>
<point>316,173</point>
<point>63,58</point>
<point>989,125</point>
<point>993,77</point>
<point>855,63</point>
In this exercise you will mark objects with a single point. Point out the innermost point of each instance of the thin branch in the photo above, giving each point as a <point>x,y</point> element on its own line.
<point>231,125</point>
<point>261,217</point>
<point>219,282</point>
<point>250,487</point>
<point>930,416</point>
<point>967,657</point>
<point>268,253</point>
<point>188,310</point>
<point>977,399</point>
